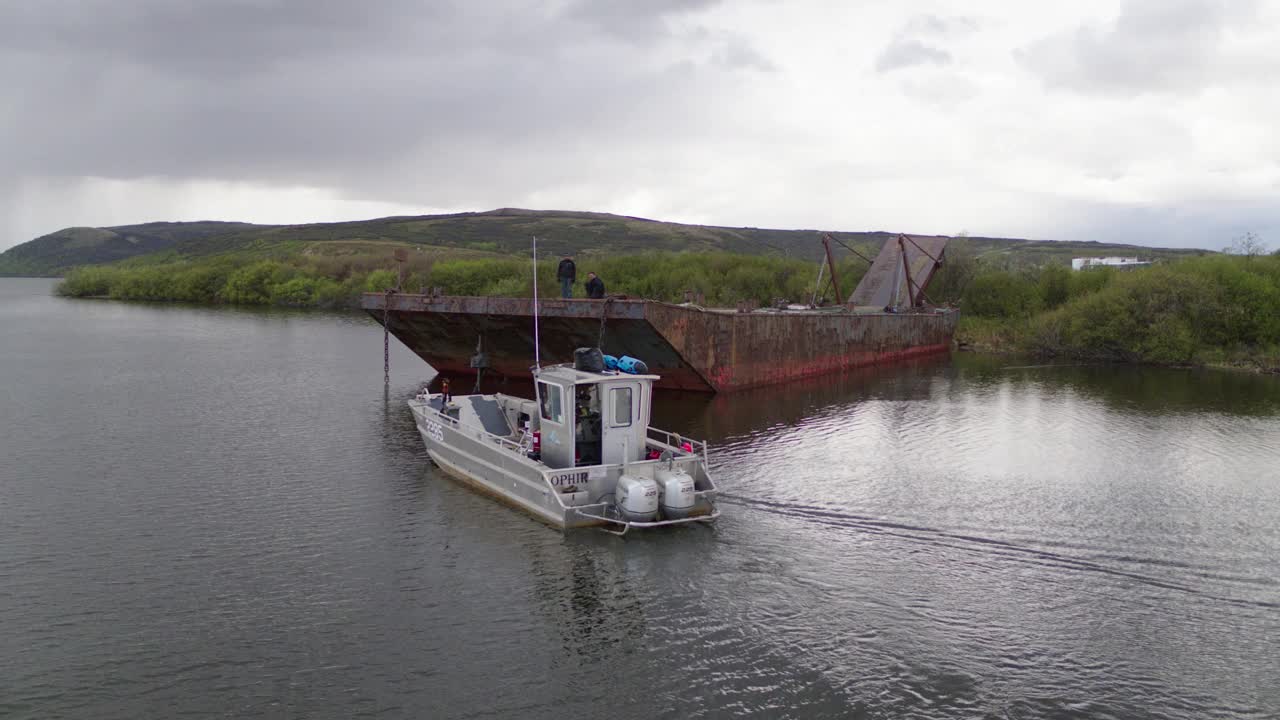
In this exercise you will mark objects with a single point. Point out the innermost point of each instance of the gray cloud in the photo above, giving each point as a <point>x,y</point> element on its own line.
<point>939,25</point>
<point>737,54</point>
<point>281,110</point>
<point>906,52</point>
<point>635,21</point>
<point>1210,224</point>
<point>1153,46</point>
<point>908,47</point>
<point>384,99</point>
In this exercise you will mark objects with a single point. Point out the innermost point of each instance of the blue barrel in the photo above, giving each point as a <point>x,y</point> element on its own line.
<point>628,364</point>
<point>610,362</point>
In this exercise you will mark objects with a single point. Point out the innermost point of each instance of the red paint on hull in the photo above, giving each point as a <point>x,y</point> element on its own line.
<point>801,370</point>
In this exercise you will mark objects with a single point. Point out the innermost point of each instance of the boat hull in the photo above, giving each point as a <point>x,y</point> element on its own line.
<point>469,456</point>
<point>691,348</point>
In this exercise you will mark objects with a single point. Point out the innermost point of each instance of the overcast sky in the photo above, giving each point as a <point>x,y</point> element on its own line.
<point>1147,121</point>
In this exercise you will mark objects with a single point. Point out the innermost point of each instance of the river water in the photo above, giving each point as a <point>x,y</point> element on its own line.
<point>219,512</point>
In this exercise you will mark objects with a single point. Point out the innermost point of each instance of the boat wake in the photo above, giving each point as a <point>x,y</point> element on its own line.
<point>1012,551</point>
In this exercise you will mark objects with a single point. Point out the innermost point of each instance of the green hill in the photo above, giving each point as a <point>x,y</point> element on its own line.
<point>56,252</point>
<point>505,231</point>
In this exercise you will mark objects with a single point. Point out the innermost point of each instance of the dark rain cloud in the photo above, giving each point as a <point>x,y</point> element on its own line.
<point>385,99</point>
<point>667,105</point>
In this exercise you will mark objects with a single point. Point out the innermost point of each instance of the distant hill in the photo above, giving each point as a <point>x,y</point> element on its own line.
<point>503,231</point>
<point>53,253</point>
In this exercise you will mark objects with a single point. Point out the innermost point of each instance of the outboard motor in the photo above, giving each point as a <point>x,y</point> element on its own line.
<point>675,492</point>
<point>637,498</point>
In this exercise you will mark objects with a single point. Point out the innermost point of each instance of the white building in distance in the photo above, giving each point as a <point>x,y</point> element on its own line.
<point>1124,263</point>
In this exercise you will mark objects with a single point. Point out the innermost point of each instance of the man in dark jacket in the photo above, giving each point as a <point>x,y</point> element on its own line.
<point>566,274</point>
<point>595,287</point>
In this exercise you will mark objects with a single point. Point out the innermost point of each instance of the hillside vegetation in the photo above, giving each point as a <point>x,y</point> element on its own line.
<point>500,232</point>
<point>52,254</point>
<point>1220,310</point>
<point>1192,307</point>
<point>1216,309</point>
<point>337,281</point>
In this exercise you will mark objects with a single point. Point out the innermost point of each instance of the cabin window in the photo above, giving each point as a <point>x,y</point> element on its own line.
<point>621,406</point>
<point>550,399</point>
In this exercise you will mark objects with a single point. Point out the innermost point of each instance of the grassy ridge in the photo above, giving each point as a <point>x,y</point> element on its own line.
<point>503,232</point>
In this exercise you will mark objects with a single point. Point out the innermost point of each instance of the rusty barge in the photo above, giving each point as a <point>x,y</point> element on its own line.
<point>887,318</point>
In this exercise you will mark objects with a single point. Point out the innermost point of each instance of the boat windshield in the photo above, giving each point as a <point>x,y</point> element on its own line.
<point>551,402</point>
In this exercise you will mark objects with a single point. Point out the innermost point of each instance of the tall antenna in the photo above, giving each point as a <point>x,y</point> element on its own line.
<point>537,353</point>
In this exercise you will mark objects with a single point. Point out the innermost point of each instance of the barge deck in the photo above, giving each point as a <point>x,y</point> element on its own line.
<point>690,347</point>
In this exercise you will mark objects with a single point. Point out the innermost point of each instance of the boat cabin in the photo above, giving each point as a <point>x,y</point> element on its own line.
<point>592,418</point>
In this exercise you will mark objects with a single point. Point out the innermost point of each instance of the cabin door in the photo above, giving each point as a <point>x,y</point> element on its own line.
<point>556,424</point>
<point>623,422</point>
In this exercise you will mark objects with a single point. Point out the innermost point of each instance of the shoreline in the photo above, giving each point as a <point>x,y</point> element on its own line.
<point>1006,348</point>
<point>979,348</point>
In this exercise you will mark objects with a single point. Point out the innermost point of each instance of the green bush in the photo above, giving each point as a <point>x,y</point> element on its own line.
<point>252,284</point>
<point>1054,286</point>
<point>296,292</point>
<point>1197,310</point>
<point>144,283</point>
<point>1001,294</point>
<point>509,287</point>
<point>200,283</point>
<point>474,277</point>
<point>1088,281</point>
<point>959,267</point>
<point>380,280</point>
<point>88,281</point>
<point>723,278</point>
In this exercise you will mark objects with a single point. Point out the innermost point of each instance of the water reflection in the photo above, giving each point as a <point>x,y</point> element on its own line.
<point>597,611</point>
<point>728,414</point>
<point>1123,389</point>
<point>958,537</point>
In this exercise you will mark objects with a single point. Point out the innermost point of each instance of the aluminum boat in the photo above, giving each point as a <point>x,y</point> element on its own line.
<point>581,454</point>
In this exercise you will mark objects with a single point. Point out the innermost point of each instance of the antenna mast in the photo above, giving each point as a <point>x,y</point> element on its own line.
<point>537,353</point>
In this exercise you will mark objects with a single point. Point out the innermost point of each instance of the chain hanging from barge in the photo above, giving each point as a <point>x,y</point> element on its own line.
<point>386,339</point>
<point>604,312</point>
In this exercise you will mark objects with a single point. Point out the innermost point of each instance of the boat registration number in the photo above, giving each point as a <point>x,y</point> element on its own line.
<point>434,431</point>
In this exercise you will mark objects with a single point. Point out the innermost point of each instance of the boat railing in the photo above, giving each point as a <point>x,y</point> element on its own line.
<point>676,443</point>
<point>608,523</point>
<point>480,434</point>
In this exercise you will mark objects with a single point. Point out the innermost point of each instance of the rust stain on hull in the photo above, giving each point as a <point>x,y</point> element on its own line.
<point>691,348</point>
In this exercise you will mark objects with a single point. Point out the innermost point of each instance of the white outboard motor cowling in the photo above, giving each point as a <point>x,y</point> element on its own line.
<point>675,492</point>
<point>637,498</point>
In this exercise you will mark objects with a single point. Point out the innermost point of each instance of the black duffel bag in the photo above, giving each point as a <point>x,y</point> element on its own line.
<point>588,359</point>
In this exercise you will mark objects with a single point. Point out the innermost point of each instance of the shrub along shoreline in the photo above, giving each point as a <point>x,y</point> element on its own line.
<point>1219,310</point>
<point>724,278</point>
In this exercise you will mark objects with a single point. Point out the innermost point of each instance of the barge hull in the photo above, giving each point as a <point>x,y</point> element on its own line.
<point>691,348</point>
